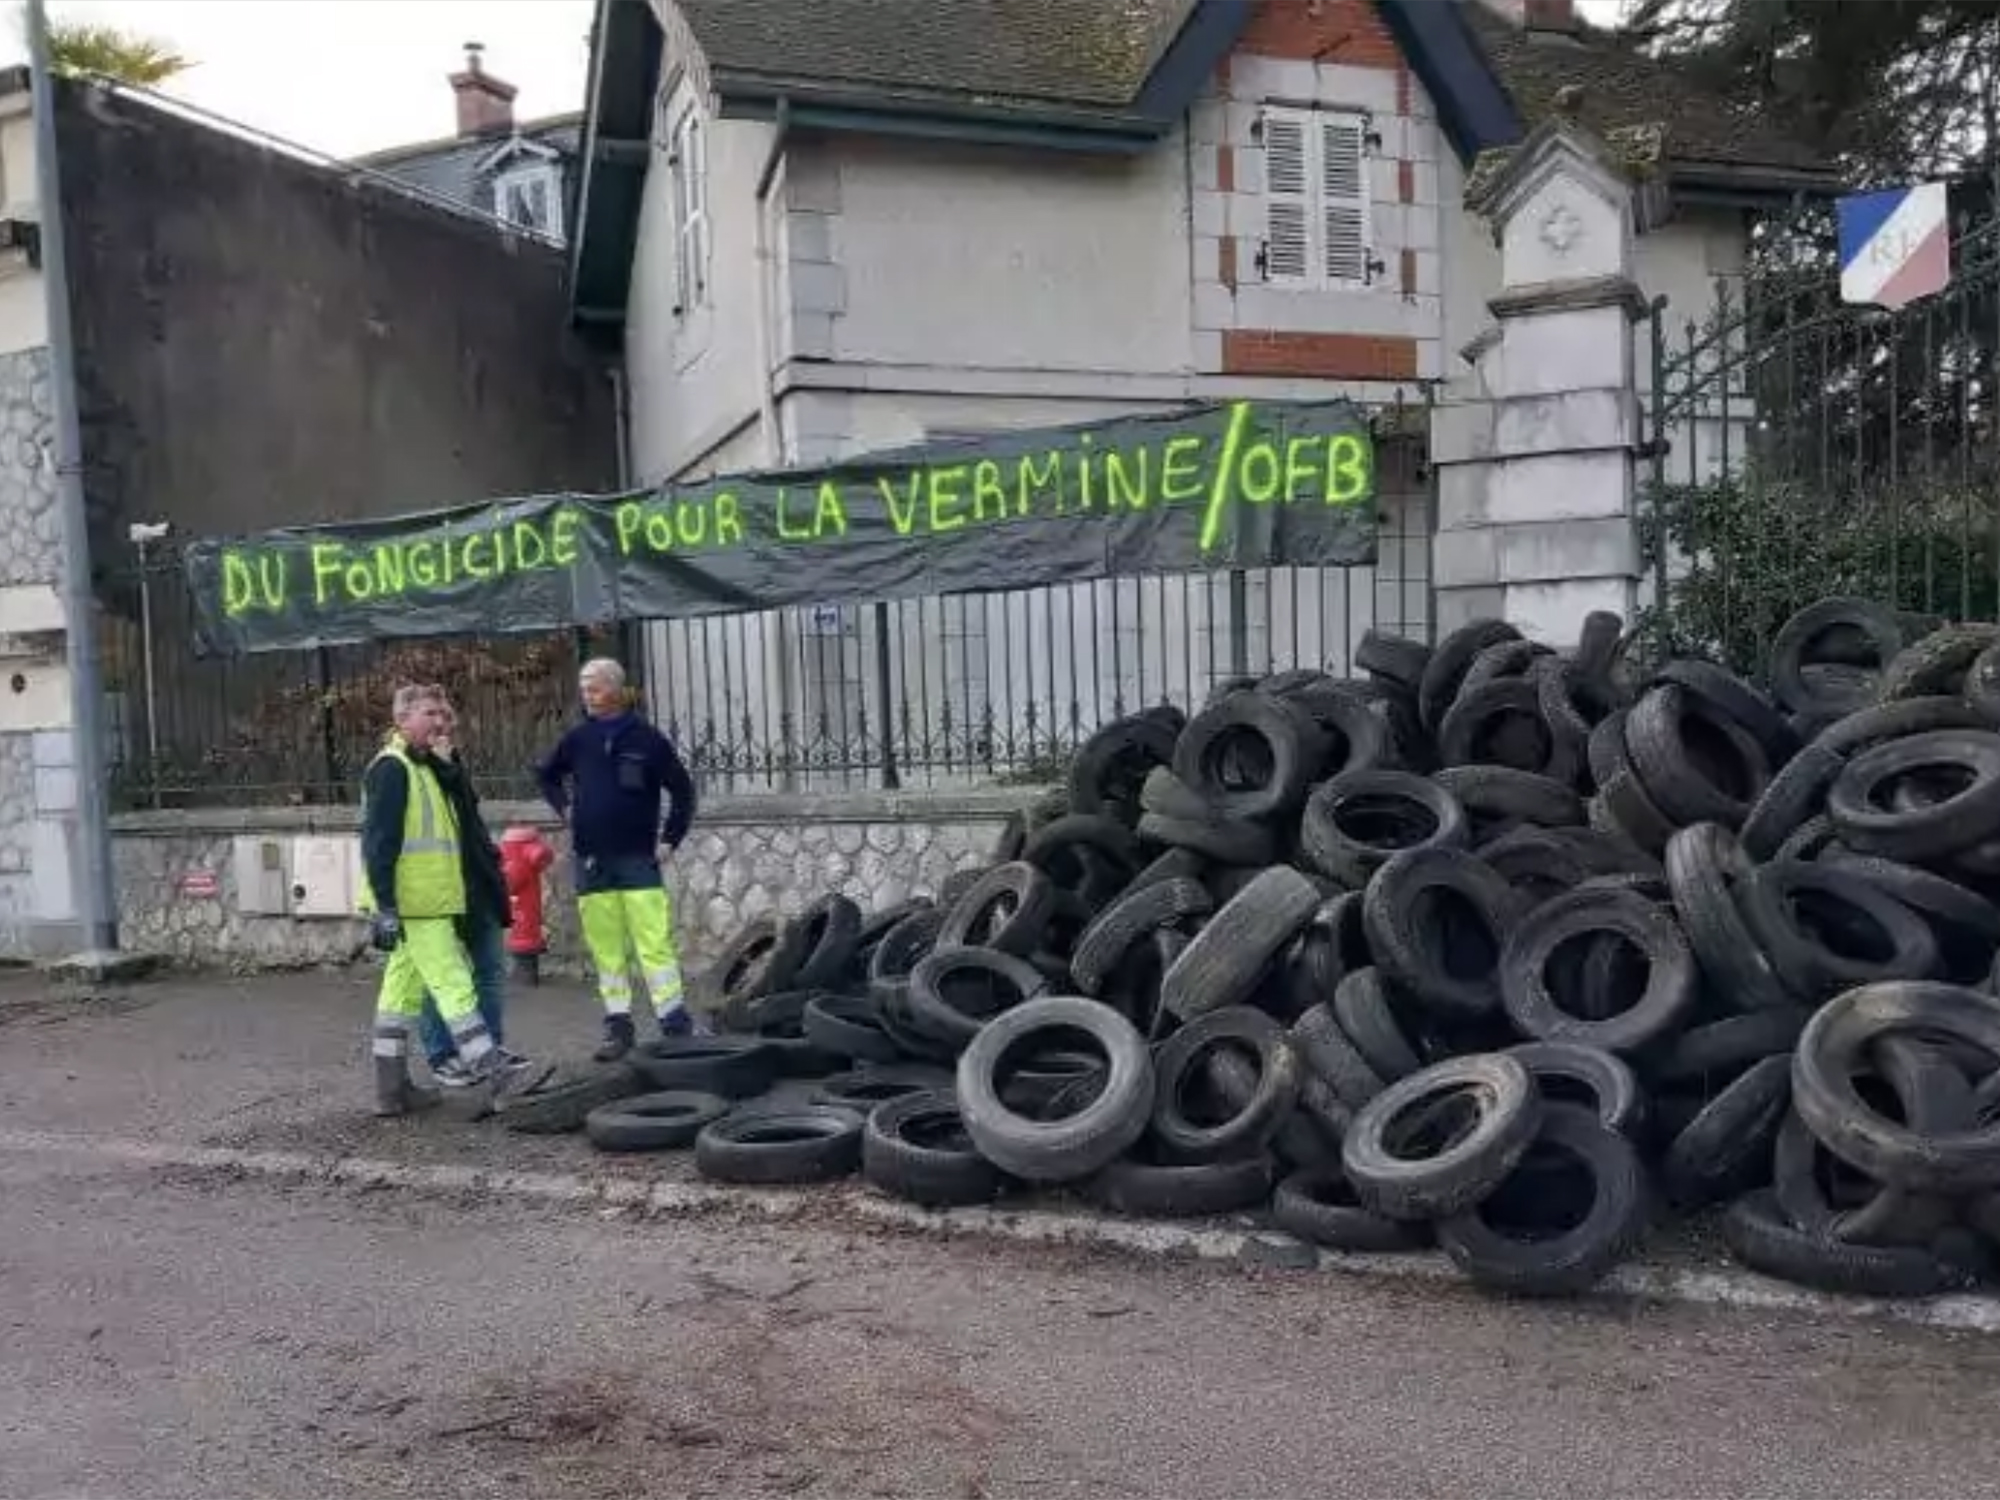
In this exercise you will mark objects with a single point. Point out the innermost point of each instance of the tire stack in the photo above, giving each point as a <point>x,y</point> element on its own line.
<point>1493,948</point>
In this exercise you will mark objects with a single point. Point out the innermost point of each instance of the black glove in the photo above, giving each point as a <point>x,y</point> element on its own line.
<point>386,931</point>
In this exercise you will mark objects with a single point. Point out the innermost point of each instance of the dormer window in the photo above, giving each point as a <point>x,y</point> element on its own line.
<point>530,196</point>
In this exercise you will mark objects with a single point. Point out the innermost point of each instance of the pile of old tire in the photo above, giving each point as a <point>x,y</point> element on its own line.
<point>1507,950</point>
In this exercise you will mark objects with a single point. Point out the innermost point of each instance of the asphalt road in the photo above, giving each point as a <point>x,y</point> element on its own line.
<point>174,1336</point>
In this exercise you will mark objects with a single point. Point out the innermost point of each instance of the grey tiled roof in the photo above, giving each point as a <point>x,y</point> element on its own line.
<point>449,168</point>
<point>1089,54</point>
<point>1621,90</point>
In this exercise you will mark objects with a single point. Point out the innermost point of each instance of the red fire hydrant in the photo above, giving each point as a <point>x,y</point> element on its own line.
<point>524,855</point>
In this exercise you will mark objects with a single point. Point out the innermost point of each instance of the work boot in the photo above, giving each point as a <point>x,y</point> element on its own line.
<point>618,1039</point>
<point>675,1021</point>
<point>395,1094</point>
<point>505,1074</point>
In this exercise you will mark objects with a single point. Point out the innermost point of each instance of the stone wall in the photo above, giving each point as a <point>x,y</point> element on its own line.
<point>747,856</point>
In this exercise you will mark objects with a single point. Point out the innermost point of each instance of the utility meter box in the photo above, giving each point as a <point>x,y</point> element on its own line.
<point>323,876</point>
<point>263,884</point>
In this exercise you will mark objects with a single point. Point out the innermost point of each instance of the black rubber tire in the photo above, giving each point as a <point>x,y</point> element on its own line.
<point>1936,666</point>
<point>748,964</point>
<point>1755,1232</point>
<point>1574,699</point>
<point>1810,840</point>
<point>1331,946</point>
<point>1620,793</point>
<point>1164,793</point>
<point>1564,1264</point>
<point>1353,737</point>
<point>1805,964</point>
<point>1392,658</point>
<point>1319,1206</point>
<point>1020,896</point>
<point>816,948</point>
<point>653,1122</point>
<point>1600,1081</point>
<point>1832,1050</point>
<point>1182,1061</point>
<point>1888,1216</point>
<point>1367,1015</point>
<point>734,1067</point>
<point>1115,931</point>
<point>1008,980</point>
<point>1502,661</point>
<point>1545,862</point>
<point>1087,854</point>
<point>1661,1009</point>
<point>865,1090</point>
<point>916,1148</point>
<point>1966,925</point>
<point>852,1027</point>
<point>1791,649</point>
<point>1473,1164</point>
<point>1353,823</point>
<point>1415,956</point>
<point>1982,686</point>
<point>560,1104</point>
<point>1085,1142</point>
<point>1937,831</point>
<point>1331,1057</point>
<point>794,1143</point>
<point>1504,796</point>
<point>1449,663</point>
<point>1196,1191</point>
<point>1291,742</point>
<point>1112,764</point>
<point>1795,794</point>
<point>877,926</point>
<point>1223,840</point>
<point>1311,1137</point>
<point>1597,642</point>
<point>1227,958</point>
<point>1501,723</point>
<point>1703,864</point>
<point>909,940</point>
<point>1735,699</point>
<point>1676,780</point>
<point>1175,864</point>
<point>1867,727</point>
<point>1724,1149</point>
<point>1708,1057</point>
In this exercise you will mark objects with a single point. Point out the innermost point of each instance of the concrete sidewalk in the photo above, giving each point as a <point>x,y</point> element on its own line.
<point>267,1077</point>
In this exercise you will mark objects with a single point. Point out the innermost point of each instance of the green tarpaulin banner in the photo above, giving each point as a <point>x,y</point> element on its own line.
<point>1233,485</point>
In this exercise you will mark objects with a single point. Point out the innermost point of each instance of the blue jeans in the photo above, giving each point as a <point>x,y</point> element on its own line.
<point>486,947</point>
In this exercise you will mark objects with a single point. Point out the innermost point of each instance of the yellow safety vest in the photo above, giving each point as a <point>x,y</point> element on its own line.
<point>430,880</point>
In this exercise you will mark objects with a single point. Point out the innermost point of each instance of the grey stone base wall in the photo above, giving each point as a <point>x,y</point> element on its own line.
<point>746,856</point>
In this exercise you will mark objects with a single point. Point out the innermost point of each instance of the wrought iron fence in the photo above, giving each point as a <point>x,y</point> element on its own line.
<point>947,690</point>
<point>1803,447</point>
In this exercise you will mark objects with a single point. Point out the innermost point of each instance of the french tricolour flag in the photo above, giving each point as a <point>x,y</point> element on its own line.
<point>1895,246</point>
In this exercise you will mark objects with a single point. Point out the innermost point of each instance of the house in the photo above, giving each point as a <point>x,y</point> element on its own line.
<point>522,174</point>
<point>812,229</point>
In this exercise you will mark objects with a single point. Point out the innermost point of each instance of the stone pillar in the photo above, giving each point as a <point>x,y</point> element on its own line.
<point>1536,456</point>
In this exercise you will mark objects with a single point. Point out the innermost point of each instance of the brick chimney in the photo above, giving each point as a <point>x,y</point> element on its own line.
<point>485,104</point>
<point>1549,15</point>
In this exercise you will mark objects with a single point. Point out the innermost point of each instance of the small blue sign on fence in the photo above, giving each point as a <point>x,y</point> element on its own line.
<point>1895,245</point>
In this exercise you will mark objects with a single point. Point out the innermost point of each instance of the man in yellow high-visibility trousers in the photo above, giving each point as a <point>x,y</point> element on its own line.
<point>414,893</point>
<point>605,779</point>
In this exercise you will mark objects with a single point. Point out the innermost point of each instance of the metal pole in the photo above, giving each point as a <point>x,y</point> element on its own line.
<point>97,907</point>
<point>152,684</point>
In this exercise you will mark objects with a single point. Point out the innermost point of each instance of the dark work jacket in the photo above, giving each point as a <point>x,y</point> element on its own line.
<point>610,776</point>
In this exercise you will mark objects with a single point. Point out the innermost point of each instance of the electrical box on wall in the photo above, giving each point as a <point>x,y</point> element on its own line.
<point>323,876</point>
<point>34,694</point>
<point>263,884</point>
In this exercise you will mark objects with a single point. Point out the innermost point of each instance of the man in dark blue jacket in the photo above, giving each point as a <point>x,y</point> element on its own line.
<point>605,779</point>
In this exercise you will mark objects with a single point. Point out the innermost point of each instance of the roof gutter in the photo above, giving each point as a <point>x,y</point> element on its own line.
<point>587,146</point>
<point>810,108</point>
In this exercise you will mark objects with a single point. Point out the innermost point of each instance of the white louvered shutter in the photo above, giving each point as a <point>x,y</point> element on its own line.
<point>1288,198</point>
<point>1343,205</point>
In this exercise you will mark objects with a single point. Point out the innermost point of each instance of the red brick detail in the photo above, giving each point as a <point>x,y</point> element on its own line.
<point>1409,273</point>
<point>1225,169</point>
<point>1335,31</point>
<point>1406,182</point>
<point>1320,356</point>
<point>1225,263</point>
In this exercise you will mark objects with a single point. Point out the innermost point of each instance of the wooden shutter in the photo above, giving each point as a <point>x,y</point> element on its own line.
<point>1288,198</point>
<point>1343,194</point>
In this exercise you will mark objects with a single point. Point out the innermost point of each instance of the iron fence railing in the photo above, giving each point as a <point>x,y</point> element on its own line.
<point>1804,447</point>
<point>926,691</point>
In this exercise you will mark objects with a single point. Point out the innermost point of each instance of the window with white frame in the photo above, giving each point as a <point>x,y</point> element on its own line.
<point>687,159</point>
<point>530,195</point>
<point>1316,227</point>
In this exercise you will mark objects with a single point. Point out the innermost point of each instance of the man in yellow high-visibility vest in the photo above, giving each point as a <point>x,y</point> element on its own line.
<point>414,892</point>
